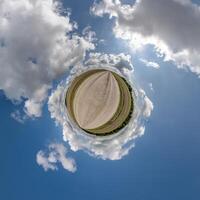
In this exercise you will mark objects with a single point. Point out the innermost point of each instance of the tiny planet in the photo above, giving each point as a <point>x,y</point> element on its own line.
<point>100,102</point>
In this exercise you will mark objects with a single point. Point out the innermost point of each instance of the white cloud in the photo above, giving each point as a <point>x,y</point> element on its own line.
<point>37,45</point>
<point>151,86</point>
<point>19,117</point>
<point>56,154</point>
<point>112,147</point>
<point>172,26</point>
<point>119,61</point>
<point>43,160</point>
<point>148,106</point>
<point>150,63</point>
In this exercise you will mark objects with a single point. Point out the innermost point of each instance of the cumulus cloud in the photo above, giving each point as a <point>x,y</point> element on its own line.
<point>56,153</point>
<point>112,147</point>
<point>150,63</point>
<point>119,61</point>
<point>172,27</point>
<point>37,45</point>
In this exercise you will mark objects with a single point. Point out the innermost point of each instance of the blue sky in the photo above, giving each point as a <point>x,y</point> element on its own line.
<point>164,164</point>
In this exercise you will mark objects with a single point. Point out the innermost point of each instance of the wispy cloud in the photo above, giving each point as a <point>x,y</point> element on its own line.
<point>151,86</point>
<point>149,63</point>
<point>56,153</point>
<point>19,117</point>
